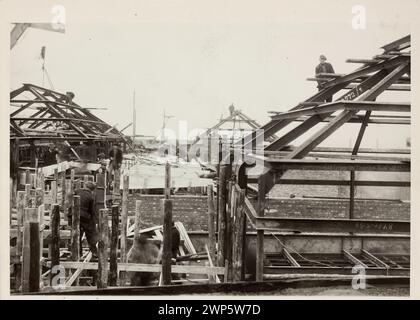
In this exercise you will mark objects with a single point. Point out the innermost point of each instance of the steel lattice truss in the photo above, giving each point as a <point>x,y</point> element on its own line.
<point>354,102</point>
<point>46,114</point>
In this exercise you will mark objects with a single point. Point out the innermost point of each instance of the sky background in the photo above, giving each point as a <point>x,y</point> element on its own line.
<point>197,61</point>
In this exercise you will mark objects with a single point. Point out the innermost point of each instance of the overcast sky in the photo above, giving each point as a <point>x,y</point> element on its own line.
<point>195,62</point>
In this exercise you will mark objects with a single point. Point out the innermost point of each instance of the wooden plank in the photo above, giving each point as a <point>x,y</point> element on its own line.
<point>138,267</point>
<point>167,241</point>
<point>77,273</point>
<point>374,259</point>
<point>212,278</point>
<point>289,258</point>
<point>113,258</point>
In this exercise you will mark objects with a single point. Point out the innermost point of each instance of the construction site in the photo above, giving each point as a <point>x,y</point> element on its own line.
<point>243,208</point>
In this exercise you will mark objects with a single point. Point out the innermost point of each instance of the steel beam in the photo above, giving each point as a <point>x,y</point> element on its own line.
<point>333,225</point>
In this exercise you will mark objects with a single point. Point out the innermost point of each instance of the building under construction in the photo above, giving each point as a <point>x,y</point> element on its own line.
<point>237,237</point>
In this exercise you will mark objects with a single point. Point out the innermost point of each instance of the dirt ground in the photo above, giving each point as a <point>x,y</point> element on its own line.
<point>337,291</point>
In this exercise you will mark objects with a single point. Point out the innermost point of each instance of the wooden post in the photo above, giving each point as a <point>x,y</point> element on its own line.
<point>27,177</point>
<point>28,195</point>
<point>124,213</point>
<point>238,235</point>
<point>167,180</point>
<point>30,257</point>
<point>229,226</point>
<point>34,274</point>
<point>124,216</point>
<point>63,192</point>
<point>41,181</point>
<point>102,249</point>
<point>14,149</point>
<point>222,217</point>
<point>75,230</point>
<point>56,179</point>
<point>33,180</point>
<point>167,241</point>
<point>39,204</point>
<point>54,191</point>
<point>55,238</point>
<point>260,233</point>
<point>21,200</point>
<point>116,185</point>
<point>113,263</point>
<point>137,220</point>
<point>351,206</point>
<point>211,224</point>
<point>72,173</point>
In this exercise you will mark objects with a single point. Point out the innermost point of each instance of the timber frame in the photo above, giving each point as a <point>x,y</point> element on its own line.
<point>355,102</point>
<point>42,116</point>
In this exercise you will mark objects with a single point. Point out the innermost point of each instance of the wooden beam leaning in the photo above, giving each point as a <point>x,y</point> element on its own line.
<point>290,258</point>
<point>353,259</point>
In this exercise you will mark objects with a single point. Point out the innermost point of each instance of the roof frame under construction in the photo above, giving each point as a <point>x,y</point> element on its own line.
<point>265,165</point>
<point>37,117</point>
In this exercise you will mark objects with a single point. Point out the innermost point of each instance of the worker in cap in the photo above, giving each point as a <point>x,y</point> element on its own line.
<point>88,219</point>
<point>323,67</point>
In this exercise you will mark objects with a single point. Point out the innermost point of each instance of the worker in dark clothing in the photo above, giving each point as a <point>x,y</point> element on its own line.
<point>323,67</point>
<point>50,156</point>
<point>88,219</point>
<point>115,157</point>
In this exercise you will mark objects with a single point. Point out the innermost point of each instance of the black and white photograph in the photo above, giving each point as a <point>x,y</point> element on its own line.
<point>208,148</point>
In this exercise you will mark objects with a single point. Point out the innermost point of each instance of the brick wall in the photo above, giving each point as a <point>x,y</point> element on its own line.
<point>192,210</point>
<point>342,191</point>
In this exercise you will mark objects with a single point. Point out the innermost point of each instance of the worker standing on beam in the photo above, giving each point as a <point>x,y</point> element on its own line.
<point>323,67</point>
